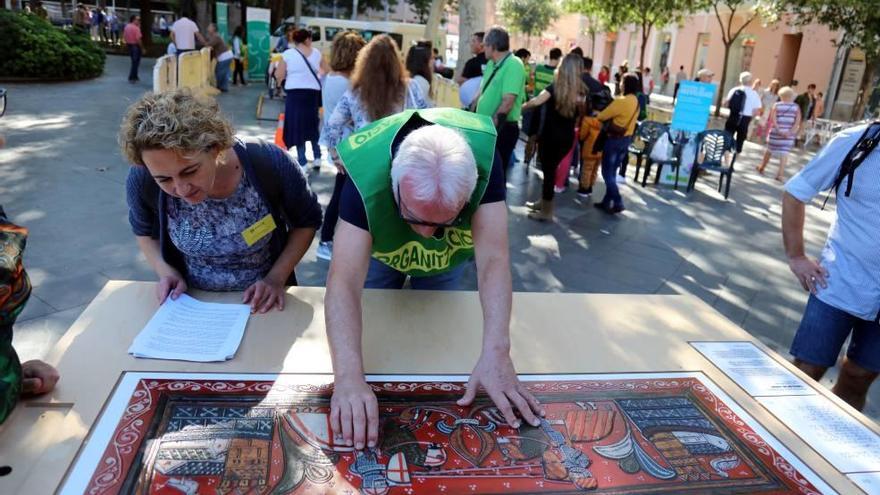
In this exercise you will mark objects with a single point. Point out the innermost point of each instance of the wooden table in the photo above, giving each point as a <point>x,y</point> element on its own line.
<point>405,332</point>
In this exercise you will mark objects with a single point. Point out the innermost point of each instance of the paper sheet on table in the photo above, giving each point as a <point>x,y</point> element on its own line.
<point>838,437</point>
<point>187,329</point>
<point>869,482</point>
<point>752,369</point>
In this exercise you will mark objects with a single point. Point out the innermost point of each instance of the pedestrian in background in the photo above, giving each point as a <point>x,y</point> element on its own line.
<point>221,52</point>
<point>744,103</point>
<point>621,116</point>
<point>420,68</point>
<point>604,74</point>
<point>238,61</point>
<point>184,33</point>
<point>502,91</point>
<point>299,69</point>
<point>680,76</point>
<point>783,122</point>
<point>562,100</point>
<point>134,41</point>
<point>343,55</point>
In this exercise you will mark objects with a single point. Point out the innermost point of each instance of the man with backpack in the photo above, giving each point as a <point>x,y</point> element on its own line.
<point>844,284</point>
<point>743,102</point>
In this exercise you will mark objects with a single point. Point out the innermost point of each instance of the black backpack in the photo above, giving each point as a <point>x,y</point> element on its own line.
<point>857,154</point>
<point>601,99</point>
<point>736,104</point>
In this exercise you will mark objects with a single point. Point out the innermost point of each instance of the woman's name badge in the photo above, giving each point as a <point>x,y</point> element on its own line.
<point>261,228</point>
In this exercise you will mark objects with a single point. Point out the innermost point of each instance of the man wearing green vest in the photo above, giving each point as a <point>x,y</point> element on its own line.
<point>502,90</point>
<point>424,195</point>
<point>543,78</point>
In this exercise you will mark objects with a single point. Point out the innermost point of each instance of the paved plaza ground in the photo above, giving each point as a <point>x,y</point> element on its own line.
<point>62,176</point>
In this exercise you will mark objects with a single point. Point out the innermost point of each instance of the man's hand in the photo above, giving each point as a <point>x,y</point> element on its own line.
<point>495,373</point>
<point>37,378</point>
<point>171,284</point>
<point>809,273</point>
<point>264,294</point>
<point>354,413</point>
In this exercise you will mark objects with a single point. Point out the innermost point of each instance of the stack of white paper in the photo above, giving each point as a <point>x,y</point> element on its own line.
<point>190,330</point>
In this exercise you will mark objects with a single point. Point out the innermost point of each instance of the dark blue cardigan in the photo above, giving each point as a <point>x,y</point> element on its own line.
<point>278,180</point>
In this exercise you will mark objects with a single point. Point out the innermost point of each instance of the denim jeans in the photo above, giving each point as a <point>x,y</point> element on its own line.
<point>382,276</point>
<point>823,331</point>
<point>134,51</point>
<point>301,152</point>
<point>612,156</point>
<point>221,73</point>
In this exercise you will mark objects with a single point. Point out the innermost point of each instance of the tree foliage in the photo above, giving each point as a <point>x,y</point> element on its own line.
<point>646,14</point>
<point>529,17</point>
<point>32,47</point>
<point>858,20</point>
<point>859,23</point>
<point>733,17</point>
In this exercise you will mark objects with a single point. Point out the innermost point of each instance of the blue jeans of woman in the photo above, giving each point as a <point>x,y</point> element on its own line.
<point>612,156</point>
<point>221,73</point>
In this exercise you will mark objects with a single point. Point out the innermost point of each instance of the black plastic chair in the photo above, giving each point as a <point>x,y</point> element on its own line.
<point>647,132</point>
<point>674,160</point>
<point>713,145</point>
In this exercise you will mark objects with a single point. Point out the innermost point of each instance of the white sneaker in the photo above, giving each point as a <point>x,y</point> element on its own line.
<point>325,250</point>
<point>558,189</point>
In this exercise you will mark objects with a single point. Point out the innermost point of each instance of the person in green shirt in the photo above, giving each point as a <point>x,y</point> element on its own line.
<point>543,77</point>
<point>424,196</point>
<point>502,91</point>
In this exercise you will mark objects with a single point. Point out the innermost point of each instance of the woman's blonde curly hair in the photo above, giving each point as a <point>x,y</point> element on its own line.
<point>176,120</point>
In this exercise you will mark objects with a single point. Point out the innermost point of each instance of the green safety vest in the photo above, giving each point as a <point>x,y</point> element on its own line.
<point>543,78</point>
<point>367,159</point>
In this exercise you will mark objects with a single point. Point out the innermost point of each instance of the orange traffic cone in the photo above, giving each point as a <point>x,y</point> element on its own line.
<point>279,133</point>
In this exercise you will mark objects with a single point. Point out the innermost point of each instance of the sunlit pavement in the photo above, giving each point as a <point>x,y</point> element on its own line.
<point>62,176</point>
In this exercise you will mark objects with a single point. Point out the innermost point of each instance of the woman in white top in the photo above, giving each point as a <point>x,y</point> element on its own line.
<point>238,71</point>
<point>418,64</point>
<point>300,68</point>
<point>343,54</point>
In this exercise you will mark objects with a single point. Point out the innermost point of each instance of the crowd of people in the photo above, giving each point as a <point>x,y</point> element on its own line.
<point>420,195</point>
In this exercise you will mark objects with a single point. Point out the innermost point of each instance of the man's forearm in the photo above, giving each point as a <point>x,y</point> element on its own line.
<point>793,214</point>
<point>506,106</point>
<point>342,315</point>
<point>495,297</point>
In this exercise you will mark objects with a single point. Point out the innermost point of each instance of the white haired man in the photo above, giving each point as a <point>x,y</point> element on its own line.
<point>743,102</point>
<point>424,210</point>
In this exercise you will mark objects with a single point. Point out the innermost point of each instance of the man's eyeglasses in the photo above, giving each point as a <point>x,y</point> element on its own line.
<point>406,215</point>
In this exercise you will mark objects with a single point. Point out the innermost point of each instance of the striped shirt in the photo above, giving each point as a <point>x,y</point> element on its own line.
<point>852,251</point>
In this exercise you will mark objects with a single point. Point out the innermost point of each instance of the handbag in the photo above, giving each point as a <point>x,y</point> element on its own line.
<point>610,129</point>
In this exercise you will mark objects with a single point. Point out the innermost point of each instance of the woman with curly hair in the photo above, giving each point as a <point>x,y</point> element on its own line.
<point>343,53</point>
<point>379,88</point>
<point>210,210</point>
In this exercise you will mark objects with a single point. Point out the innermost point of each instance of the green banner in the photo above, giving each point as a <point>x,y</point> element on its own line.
<point>258,42</point>
<point>223,20</point>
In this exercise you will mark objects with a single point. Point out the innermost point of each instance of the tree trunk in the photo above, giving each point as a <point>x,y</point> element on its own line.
<point>646,34</point>
<point>718,99</point>
<point>147,23</point>
<point>434,21</point>
<point>354,9</point>
<point>471,18</point>
<point>866,88</point>
<point>203,14</point>
<point>297,11</point>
